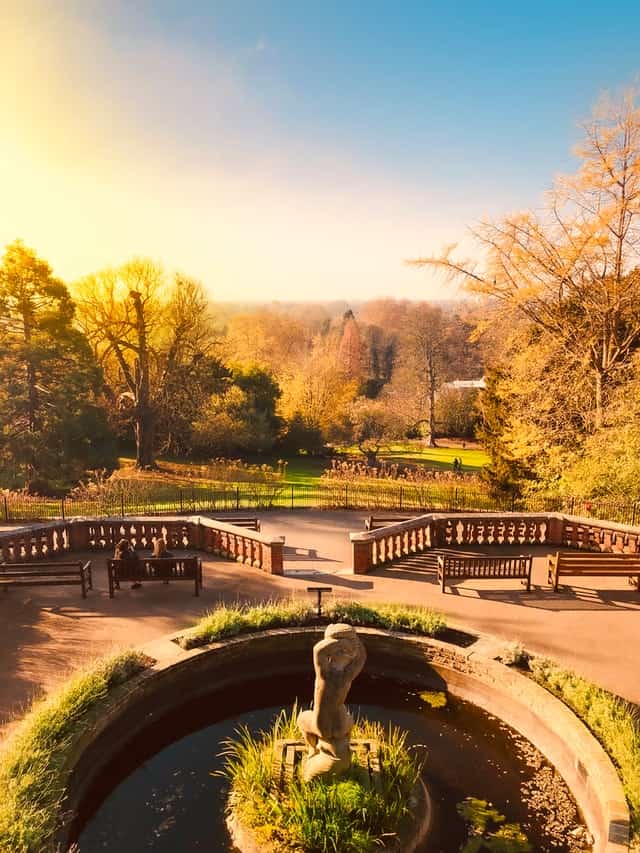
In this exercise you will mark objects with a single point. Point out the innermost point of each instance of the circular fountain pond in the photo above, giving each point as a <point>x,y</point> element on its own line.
<point>160,791</point>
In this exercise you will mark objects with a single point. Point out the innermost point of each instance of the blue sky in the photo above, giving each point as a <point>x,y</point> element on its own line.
<point>287,150</point>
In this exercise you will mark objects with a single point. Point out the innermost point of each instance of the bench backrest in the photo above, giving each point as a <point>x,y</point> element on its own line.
<point>149,568</point>
<point>247,523</point>
<point>460,566</point>
<point>373,522</point>
<point>596,558</point>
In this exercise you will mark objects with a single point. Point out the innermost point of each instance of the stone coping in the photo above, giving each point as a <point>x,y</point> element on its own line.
<point>204,521</point>
<point>428,518</point>
<point>178,675</point>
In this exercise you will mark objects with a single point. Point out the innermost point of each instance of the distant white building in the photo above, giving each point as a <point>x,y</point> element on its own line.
<point>466,383</point>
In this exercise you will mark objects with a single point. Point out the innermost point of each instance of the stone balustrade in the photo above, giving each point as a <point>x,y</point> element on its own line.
<point>450,530</point>
<point>46,541</point>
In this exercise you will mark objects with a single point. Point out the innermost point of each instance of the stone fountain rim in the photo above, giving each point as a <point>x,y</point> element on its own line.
<point>600,784</point>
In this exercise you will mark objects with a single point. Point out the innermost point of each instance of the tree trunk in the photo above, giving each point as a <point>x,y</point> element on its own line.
<point>431,378</point>
<point>144,418</point>
<point>599,404</point>
<point>143,427</point>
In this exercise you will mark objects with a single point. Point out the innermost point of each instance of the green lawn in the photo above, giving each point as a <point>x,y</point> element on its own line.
<point>473,458</point>
<point>306,470</point>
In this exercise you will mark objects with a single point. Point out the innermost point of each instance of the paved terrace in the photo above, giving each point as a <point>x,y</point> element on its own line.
<point>593,628</point>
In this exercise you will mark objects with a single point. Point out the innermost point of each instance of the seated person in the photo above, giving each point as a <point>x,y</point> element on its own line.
<point>160,548</point>
<point>124,551</point>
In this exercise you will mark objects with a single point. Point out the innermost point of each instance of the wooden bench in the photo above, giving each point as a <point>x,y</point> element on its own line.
<point>592,564</point>
<point>47,574</point>
<point>375,522</point>
<point>249,523</point>
<point>163,569</point>
<point>464,566</point>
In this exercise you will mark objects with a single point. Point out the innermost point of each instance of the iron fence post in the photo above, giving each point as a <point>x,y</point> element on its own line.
<point>633,514</point>
<point>181,501</point>
<point>122,504</point>
<point>400,501</point>
<point>513,501</point>
<point>237,497</point>
<point>346,497</point>
<point>62,508</point>
<point>292,496</point>
<point>6,509</point>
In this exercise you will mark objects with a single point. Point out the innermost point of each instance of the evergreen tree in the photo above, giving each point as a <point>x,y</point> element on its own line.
<point>52,427</point>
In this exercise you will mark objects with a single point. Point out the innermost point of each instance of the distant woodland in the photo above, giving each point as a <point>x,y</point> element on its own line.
<point>135,357</point>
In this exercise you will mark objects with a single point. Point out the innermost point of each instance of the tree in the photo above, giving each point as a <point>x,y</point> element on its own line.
<point>319,393</point>
<point>457,412</point>
<point>240,418</point>
<point>148,335</point>
<point>374,424</point>
<point>572,269</point>
<point>53,427</point>
<point>420,368</point>
<point>350,349</point>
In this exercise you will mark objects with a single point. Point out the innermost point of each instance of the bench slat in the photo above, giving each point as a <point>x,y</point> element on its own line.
<point>154,569</point>
<point>459,567</point>
<point>47,574</point>
<point>591,564</point>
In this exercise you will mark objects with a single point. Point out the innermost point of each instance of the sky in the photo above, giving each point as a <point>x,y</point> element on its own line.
<point>284,150</point>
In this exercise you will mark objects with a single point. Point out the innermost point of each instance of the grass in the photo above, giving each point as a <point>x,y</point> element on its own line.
<point>614,721</point>
<point>230,621</point>
<point>33,771</point>
<point>307,470</point>
<point>473,458</point>
<point>345,815</point>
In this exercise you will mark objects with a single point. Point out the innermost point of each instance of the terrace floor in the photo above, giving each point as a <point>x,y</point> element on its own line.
<point>46,632</point>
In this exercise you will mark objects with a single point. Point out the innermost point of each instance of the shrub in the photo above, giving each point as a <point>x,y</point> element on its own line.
<point>614,721</point>
<point>345,814</point>
<point>227,621</point>
<point>32,763</point>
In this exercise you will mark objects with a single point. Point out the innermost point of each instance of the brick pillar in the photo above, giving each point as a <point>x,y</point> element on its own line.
<point>361,556</point>
<point>555,524</point>
<point>196,535</point>
<point>78,535</point>
<point>273,557</point>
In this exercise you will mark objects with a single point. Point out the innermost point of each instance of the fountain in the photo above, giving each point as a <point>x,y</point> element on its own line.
<point>162,783</point>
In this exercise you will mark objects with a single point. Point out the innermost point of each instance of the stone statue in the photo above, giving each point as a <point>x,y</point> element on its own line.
<point>337,660</point>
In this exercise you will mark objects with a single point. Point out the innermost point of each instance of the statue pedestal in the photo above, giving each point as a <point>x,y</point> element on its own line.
<point>290,755</point>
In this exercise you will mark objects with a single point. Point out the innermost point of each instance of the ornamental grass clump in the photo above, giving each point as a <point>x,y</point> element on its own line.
<point>322,816</point>
<point>392,617</point>
<point>33,762</point>
<point>229,621</point>
<point>614,721</point>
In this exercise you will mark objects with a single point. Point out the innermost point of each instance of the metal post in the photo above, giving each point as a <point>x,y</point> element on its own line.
<point>319,590</point>
<point>237,497</point>
<point>400,507</point>
<point>122,504</point>
<point>181,502</point>
<point>633,516</point>
<point>346,497</point>
<point>62,508</point>
<point>292,496</point>
<point>6,509</point>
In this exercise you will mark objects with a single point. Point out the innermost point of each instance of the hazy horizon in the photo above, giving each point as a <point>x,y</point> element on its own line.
<point>278,151</point>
